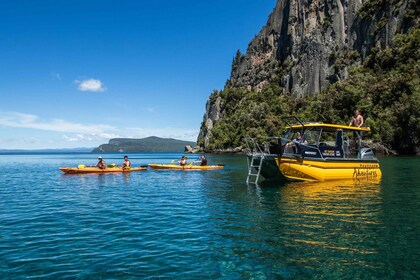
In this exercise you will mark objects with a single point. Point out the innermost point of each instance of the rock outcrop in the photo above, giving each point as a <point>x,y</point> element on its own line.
<point>308,40</point>
<point>212,115</point>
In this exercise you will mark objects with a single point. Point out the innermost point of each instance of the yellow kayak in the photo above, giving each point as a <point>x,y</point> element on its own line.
<point>75,170</point>
<point>186,167</point>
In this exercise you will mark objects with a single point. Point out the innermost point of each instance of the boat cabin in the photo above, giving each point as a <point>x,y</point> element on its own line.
<point>327,141</point>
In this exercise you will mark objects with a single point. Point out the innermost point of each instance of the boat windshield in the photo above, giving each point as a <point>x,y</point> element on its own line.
<point>289,134</point>
<point>311,136</point>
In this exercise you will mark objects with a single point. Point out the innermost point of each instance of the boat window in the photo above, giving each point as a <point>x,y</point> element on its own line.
<point>289,134</point>
<point>351,143</point>
<point>328,138</point>
<point>311,137</point>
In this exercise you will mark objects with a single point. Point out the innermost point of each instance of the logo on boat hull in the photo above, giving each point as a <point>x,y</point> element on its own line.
<point>364,173</point>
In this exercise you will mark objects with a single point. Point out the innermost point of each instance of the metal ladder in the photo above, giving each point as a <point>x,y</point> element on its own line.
<point>254,168</point>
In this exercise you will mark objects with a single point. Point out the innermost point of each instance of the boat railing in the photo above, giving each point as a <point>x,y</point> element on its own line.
<point>253,147</point>
<point>271,146</point>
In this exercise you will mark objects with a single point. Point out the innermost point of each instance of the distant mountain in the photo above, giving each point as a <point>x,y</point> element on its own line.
<point>149,144</point>
<point>68,150</point>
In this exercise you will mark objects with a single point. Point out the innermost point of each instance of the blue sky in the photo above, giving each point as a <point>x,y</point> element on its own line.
<point>77,73</point>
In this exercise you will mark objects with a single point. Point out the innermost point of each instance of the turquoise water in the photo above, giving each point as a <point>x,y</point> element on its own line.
<point>203,225</point>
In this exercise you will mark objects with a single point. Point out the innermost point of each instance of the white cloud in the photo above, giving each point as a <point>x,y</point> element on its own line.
<point>77,138</point>
<point>91,85</point>
<point>16,119</point>
<point>90,137</point>
<point>78,132</point>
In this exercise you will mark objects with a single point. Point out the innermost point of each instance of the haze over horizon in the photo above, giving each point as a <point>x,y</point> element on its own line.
<point>77,73</point>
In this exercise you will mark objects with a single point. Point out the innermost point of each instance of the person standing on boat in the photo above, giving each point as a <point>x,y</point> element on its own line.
<point>101,163</point>
<point>126,163</point>
<point>358,120</point>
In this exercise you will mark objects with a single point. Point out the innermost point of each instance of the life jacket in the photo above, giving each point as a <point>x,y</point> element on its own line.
<point>127,163</point>
<point>101,164</point>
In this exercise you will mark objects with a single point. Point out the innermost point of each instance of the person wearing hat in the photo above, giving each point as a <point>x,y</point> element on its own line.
<point>101,163</point>
<point>126,163</point>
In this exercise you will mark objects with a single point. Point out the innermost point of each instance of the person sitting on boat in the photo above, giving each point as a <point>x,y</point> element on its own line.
<point>299,139</point>
<point>358,120</point>
<point>290,147</point>
<point>203,160</point>
<point>183,161</point>
<point>126,163</point>
<point>101,163</point>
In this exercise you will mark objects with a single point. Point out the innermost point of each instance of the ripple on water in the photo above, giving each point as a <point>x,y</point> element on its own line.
<point>206,225</point>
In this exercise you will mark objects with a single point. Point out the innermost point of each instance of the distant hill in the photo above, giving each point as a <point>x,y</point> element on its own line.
<point>149,144</point>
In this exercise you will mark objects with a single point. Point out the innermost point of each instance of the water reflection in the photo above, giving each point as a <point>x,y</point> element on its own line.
<point>331,221</point>
<point>309,227</point>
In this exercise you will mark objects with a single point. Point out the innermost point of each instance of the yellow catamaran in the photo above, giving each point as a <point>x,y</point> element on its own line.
<point>320,152</point>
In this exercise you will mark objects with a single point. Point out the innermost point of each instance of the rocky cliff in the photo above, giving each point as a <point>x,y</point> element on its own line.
<point>309,36</point>
<point>307,45</point>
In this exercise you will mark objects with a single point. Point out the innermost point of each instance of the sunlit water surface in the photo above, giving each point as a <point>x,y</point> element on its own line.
<point>203,225</point>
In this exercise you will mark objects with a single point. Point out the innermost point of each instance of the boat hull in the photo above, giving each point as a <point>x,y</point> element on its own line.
<point>185,167</point>
<point>75,170</point>
<point>269,168</point>
<point>328,169</point>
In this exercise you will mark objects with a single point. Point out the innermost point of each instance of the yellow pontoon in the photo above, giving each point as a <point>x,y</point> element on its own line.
<point>321,152</point>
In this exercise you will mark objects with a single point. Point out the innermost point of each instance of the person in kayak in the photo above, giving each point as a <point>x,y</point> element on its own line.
<point>183,161</point>
<point>126,163</point>
<point>101,163</point>
<point>203,160</point>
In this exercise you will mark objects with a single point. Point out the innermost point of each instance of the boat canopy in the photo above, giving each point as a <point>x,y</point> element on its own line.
<point>328,127</point>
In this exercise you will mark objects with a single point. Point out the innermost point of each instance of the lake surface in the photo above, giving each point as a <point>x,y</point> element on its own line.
<point>203,225</point>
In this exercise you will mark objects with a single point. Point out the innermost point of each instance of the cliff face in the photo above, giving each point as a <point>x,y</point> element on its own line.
<point>307,45</point>
<point>308,35</point>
